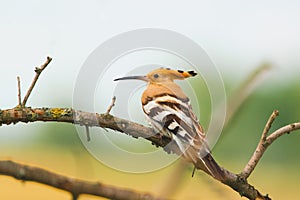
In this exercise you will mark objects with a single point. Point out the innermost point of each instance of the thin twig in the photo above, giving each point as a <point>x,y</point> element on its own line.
<point>269,123</point>
<point>112,104</point>
<point>281,131</point>
<point>19,90</point>
<point>261,147</point>
<point>38,71</point>
<point>87,131</point>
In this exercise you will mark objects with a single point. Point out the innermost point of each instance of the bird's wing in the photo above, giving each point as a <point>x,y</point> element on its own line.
<point>176,116</point>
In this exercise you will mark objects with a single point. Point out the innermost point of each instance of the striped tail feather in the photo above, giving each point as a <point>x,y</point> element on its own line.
<point>202,160</point>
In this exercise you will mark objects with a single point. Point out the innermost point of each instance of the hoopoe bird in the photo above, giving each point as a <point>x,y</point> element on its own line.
<point>170,113</point>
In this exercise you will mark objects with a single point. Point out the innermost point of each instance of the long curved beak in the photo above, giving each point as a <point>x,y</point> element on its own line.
<point>143,78</point>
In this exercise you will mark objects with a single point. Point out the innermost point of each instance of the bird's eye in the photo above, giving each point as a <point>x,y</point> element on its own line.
<point>155,75</point>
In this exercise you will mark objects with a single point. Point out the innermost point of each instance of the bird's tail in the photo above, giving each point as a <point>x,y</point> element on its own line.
<point>208,164</point>
<point>202,158</point>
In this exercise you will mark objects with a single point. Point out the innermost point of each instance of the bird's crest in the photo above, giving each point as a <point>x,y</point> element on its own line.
<point>167,74</point>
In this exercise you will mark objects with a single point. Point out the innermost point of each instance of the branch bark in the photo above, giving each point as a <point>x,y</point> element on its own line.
<point>75,186</point>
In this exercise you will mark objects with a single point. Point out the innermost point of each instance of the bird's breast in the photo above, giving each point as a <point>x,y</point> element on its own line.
<point>167,89</point>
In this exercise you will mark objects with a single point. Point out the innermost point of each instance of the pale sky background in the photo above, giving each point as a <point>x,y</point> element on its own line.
<point>236,35</point>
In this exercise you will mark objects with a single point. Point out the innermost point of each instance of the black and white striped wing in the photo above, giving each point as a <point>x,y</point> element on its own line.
<point>174,118</point>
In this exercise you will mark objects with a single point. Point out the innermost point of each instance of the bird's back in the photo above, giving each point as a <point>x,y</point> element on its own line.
<point>169,111</point>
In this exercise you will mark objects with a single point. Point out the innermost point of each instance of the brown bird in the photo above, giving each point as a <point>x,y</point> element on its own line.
<point>170,113</point>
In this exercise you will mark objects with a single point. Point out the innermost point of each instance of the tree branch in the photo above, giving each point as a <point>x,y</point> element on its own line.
<point>266,141</point>
<point>261,147</point>
<point>69,115</point>
<point>75,186</point>
<point>238,182</point>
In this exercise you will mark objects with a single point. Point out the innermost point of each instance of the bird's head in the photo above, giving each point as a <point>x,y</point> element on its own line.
<point>161,75</point>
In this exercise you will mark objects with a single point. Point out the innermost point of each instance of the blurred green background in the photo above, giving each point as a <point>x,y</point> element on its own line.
<point>238,37</point>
